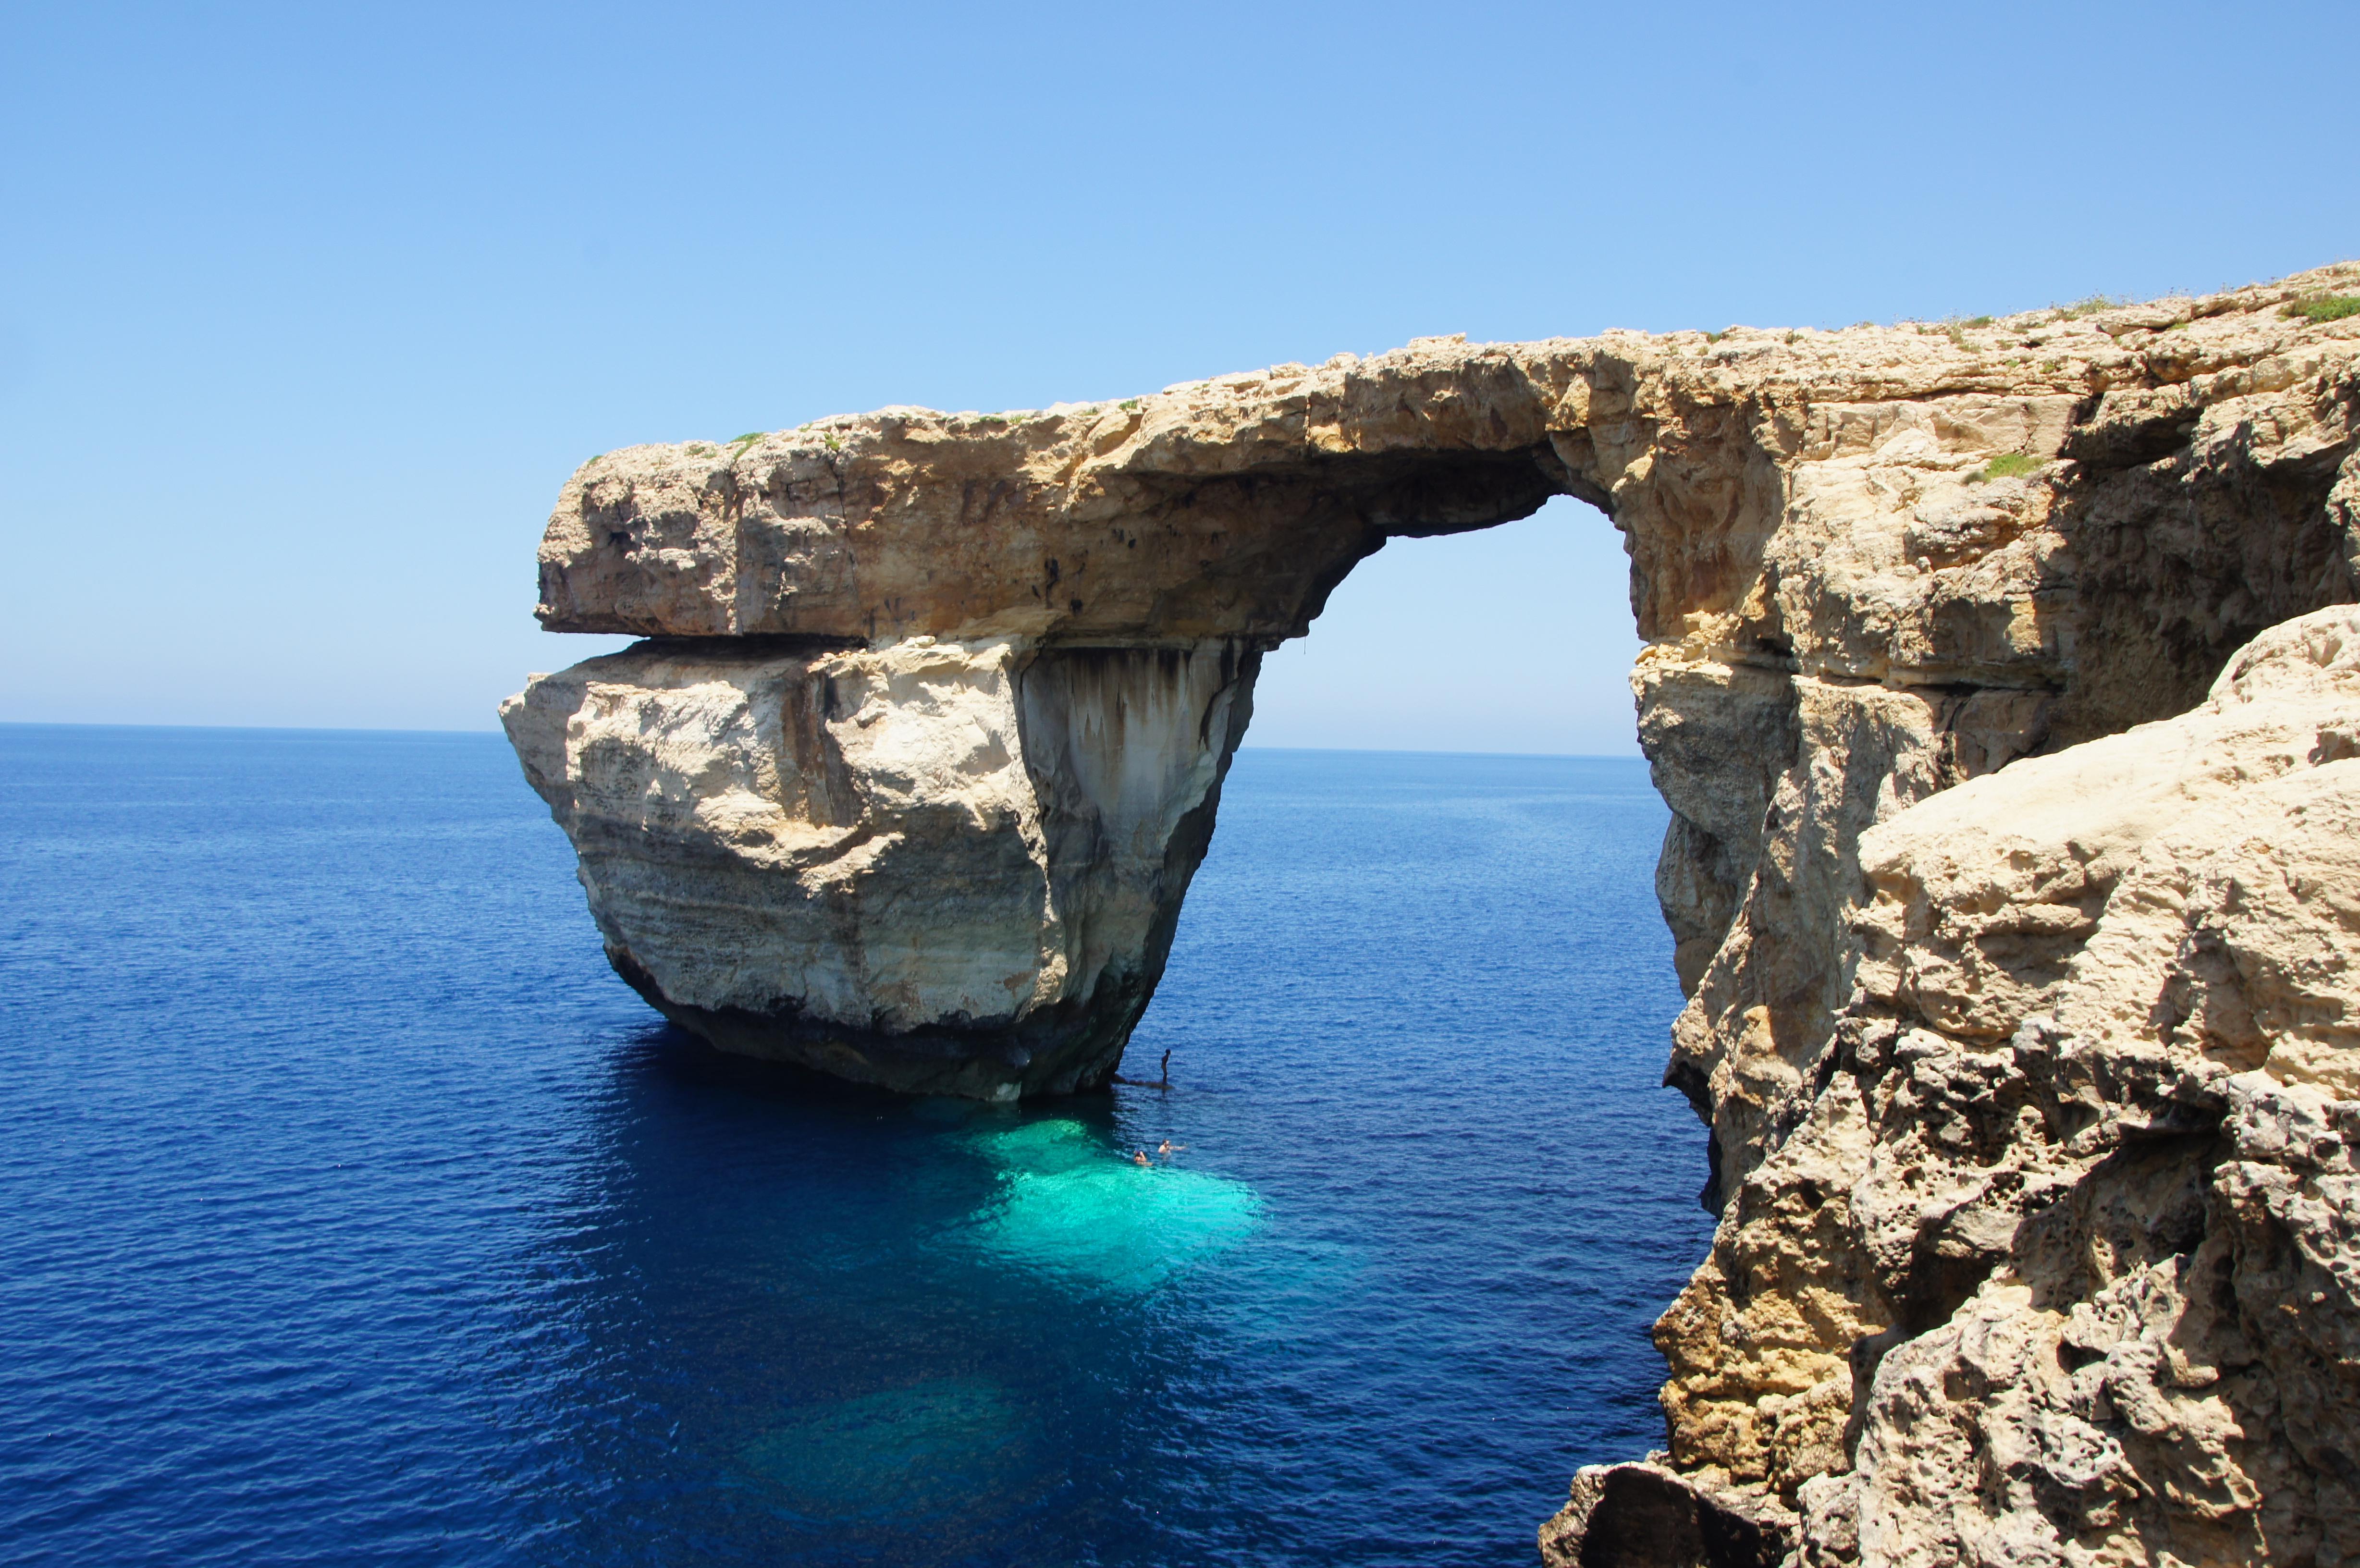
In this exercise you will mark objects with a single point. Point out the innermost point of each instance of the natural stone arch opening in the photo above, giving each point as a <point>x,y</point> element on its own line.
<point>1512,640</point>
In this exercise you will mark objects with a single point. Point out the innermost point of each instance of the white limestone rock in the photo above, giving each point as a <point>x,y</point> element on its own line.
<point>942,867</point>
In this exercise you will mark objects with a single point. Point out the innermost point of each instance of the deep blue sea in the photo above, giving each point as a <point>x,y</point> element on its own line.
<point>352,1211</point>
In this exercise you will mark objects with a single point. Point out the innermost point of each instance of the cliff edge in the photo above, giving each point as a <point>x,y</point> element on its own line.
<point>1997,678</point>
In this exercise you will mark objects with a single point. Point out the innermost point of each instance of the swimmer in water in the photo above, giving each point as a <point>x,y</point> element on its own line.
<point>1139,1156</point>
<point>1168,1148</point>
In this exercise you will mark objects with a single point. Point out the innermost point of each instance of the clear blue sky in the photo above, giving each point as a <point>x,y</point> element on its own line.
<point>310,310</point>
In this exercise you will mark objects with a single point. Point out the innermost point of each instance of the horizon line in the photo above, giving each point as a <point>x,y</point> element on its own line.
<point>391,730</point>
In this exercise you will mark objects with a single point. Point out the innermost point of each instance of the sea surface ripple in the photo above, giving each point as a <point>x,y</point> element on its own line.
<point>352,1211</point>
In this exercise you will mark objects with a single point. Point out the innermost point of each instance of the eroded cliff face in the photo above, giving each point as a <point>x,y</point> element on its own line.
<point>2017,1004</point>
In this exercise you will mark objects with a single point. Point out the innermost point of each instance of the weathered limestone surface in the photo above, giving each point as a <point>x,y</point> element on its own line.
<point>942,866</point>
<point>2064,1263</point>
<point>2018,999</point>
<point>2108,1012</point>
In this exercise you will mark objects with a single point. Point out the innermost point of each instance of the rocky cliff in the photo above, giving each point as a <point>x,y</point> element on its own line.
<point>1994,677</point>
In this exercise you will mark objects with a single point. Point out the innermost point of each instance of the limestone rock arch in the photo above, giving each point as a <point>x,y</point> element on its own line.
<point>927,736</point>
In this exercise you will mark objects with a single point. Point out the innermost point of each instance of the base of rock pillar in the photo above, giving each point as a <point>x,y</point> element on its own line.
<point>1057,1054</point>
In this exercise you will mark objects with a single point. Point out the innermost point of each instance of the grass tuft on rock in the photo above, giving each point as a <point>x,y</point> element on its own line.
<point>2323,308</point>
<point>2006,465</point>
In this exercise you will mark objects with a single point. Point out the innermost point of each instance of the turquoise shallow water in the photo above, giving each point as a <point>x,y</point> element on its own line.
<point>354,1212</point>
